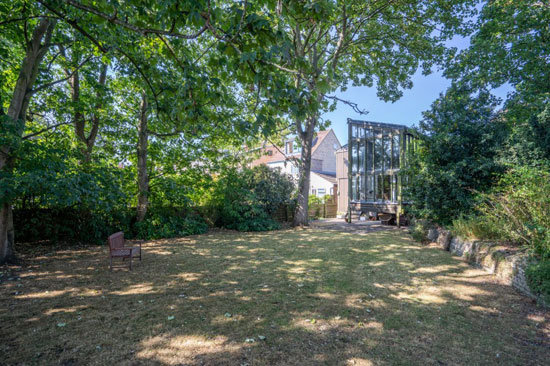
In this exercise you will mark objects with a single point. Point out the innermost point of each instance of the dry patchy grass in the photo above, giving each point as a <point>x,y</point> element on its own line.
<point>319,297</point>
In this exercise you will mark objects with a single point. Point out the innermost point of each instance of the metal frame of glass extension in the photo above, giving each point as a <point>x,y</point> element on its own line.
<point>376,152</point>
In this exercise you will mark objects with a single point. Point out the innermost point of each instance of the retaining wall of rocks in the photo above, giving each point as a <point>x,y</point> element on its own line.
<point>507,264</point>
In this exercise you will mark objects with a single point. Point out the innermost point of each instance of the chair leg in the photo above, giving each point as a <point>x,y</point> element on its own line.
<point>130,262</point>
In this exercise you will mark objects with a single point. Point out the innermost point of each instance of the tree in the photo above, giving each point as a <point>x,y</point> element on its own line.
<point>92,36</point>
<point>319,47</point>
<point>13,123</point>
<point>509,45</point>
<point>460,138</point>
<point>143,177</point>
<point>86,125</point>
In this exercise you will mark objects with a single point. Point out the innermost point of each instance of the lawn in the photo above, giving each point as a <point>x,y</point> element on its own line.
<point>290,297</point>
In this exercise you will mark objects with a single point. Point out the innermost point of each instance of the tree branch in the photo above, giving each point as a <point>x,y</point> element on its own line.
<point>143,31</point>
<point>45,129</point>
<point>13,20</point>
<point>75,25</point>
<point>47,85</point>
<point>353,105</point>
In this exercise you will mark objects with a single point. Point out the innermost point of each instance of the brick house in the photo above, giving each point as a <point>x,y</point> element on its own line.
<point>323,161</point>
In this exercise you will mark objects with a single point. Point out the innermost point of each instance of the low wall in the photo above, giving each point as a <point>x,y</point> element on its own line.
<point>507,264</point>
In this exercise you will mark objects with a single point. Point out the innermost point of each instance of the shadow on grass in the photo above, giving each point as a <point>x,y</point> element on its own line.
<point>292,297</point>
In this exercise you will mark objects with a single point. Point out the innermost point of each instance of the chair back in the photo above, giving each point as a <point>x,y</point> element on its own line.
<point>116,240</point>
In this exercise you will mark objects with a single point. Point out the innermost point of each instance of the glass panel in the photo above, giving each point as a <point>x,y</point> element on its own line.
<point>370,153</point>
<point>353,190</point>
<point>394,190</point>
<point>387,152</point>
<point>362,158</point>
<point>358,187</point>
<point>378,152</point>
<point>354,158</point>
<point>395,155</point>
<point>379,185</point>
<point>370,187</point>
<point>387,187</point>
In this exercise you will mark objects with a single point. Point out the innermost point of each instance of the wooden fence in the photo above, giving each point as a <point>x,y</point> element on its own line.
<point>285,213</point>
<point>323,210</point>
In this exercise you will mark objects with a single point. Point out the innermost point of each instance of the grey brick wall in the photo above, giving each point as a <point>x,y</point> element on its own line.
<point>326,152</point>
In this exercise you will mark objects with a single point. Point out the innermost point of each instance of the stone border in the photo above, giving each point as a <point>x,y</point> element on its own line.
<point>507,265</point>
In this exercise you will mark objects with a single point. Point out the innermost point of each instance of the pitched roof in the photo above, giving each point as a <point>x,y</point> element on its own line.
<point>317,140</point>
<point>270,154</point>
<point>326,176</point>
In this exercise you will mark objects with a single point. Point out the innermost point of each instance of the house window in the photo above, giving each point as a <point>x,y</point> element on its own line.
<point>313,191</point>
<point>288,147</point>
<point>321,192</point>
<point>269,153</point>
<point>331,191</point>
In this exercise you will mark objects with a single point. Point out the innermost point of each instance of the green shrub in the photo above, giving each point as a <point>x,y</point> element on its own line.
<point>538,279</point>
<point>419,230</point>
<point>169,223</point>
<point>475,227</point>
<point>246,200</point>
<point>520,208</point>
<point>314,200</point>
<point>455,156</point>
<point>85,226</point>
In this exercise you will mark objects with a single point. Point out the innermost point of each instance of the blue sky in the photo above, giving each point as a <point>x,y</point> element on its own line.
<point>406,111</point>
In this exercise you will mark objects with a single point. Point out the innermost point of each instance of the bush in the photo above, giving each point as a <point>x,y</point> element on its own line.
<point>538,279</point>
<point>69,224</point>
<point>84,226</point>
<point>314,200</point>
<point>246,200</point>
<point>475,227</point>
<point>455,158</point>
<point>520,208</point>
<point>419,230</point>
<point>169,223</point>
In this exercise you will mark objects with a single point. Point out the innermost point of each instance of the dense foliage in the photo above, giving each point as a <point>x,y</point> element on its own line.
<point>247,199</point>
<point>459,136</point>
<point>538,277</point>
<point>483,169</point>
<point>519,206</point>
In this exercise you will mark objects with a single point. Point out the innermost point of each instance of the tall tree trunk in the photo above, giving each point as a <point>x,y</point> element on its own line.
<point>90,141</point>
<point>79,118</point>
<point>35,51</point>
<point>306,138</point>
<point>143,178</point>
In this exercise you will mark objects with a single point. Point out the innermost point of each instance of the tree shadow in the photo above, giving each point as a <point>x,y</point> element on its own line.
<point>318,297</point>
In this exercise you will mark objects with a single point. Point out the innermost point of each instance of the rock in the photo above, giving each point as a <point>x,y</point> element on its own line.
<point>444,239</point>
<point>432,235</point>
